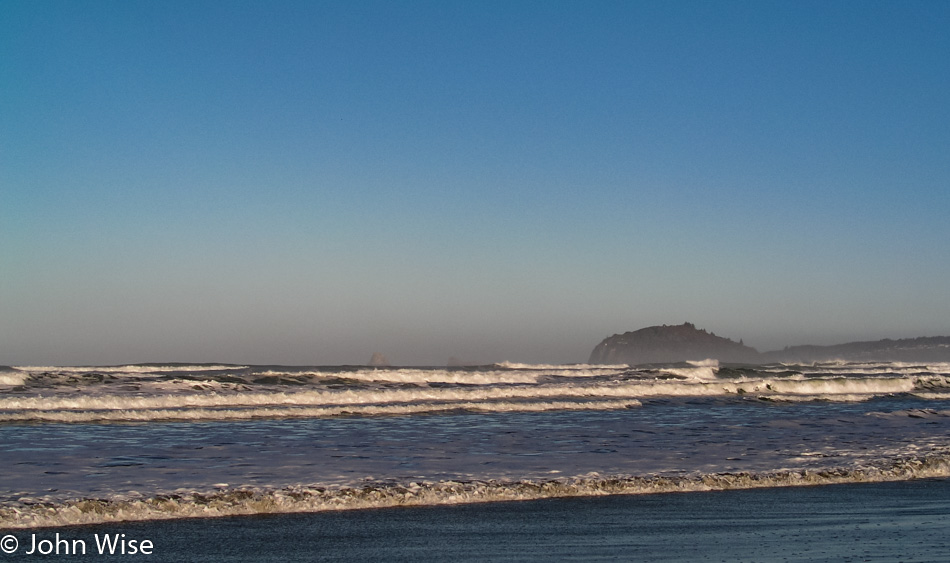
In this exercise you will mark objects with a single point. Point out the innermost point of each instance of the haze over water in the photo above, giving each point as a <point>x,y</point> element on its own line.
<point>310,183</point>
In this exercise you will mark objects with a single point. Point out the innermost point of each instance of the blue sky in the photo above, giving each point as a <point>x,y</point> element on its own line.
<point>312,182</point>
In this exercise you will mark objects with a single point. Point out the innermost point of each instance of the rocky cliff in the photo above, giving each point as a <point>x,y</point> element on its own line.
<point>663,344</point>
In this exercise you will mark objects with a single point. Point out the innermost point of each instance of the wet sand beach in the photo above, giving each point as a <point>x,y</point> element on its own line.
<point>899,521</point>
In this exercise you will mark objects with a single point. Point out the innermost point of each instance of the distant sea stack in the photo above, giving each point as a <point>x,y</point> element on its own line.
<point>664,344</point>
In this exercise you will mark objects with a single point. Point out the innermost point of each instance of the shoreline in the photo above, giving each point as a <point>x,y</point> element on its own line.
<point>241,501</point>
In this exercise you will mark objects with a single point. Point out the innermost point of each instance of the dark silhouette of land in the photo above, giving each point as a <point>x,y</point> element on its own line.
<point>677,343</point>
<point>663,344</point>
<point>921,349</point>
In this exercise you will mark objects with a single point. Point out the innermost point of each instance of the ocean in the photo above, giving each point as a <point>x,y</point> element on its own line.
<point>177,451</point>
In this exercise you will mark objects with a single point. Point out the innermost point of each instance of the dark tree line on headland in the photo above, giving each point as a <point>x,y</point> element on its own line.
<point>677,343</point>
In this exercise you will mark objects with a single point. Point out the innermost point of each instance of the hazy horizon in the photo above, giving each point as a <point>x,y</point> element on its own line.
<point>308,183</point>
<point>452,360</point>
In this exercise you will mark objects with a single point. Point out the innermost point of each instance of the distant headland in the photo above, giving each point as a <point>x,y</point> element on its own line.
<point>685,342</point>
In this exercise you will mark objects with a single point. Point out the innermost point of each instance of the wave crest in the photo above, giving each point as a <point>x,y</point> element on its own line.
<point>238,501</point>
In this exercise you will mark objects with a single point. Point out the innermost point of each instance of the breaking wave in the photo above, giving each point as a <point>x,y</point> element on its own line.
<point>560,367</point>
<point>223,402</point>
<point>698,373</point>
<point>225,501</point>
<point>413,375</point>
<point>13,378</point>
<point>132,368</point>
<point>251,413</point>
<point>229,392</point>
<point>861,368</point>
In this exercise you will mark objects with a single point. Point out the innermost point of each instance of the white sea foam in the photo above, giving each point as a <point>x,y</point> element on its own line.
<point>351,397</point>
<point>945,396</point>
<point>421,376</point>
<point>196,414</point>
<point>129,368</point>
<point>825,397</point>
<point>861,368</point>
<point>699,373</point>
<point>840,386</point>
<point>502,375</point>
<point>13,378</point>
<point>562,367</point>
<point>173,397</point>
<point>220,501</point>
<point>875,368</point>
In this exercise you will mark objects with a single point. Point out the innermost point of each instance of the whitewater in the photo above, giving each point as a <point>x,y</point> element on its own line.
<point>97,444</point>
